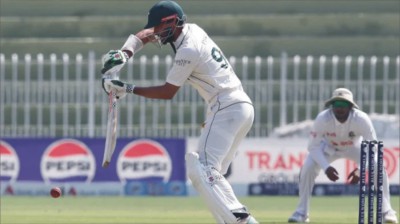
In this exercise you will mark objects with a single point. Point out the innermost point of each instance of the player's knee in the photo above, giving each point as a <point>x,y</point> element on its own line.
<point>308,171</point>
<point>198,172</point>
<point>310,166</point>
<point>190,156</point>
<point>192,165</point>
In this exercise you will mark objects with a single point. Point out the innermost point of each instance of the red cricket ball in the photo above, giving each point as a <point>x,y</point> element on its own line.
<point>55,192</point>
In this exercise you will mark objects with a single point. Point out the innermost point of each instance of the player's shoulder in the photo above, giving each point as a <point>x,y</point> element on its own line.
<point>189,46</point>
<point>194,27</point>
<point>359,115</point>
<point>324,116</point>
<point>196,34</point>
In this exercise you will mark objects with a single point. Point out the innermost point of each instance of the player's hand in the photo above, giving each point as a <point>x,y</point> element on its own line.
<point>332,174</point>
<point>120,87</point>
<point>113,61</point>
<point>354,176</point>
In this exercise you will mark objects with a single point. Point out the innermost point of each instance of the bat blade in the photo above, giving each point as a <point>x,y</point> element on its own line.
<point>112,123</point>
<point>111,136</point>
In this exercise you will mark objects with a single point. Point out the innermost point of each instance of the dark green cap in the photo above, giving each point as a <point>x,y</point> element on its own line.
<point>161,10</point>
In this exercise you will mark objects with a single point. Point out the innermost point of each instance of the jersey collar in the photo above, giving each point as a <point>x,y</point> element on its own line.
<point>337,123</point>
<point>182,36</point>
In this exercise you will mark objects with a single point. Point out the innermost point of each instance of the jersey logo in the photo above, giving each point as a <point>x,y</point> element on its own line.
<point>182,62</point>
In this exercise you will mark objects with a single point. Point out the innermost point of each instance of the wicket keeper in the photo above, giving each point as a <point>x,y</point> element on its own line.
<point>337,133</point>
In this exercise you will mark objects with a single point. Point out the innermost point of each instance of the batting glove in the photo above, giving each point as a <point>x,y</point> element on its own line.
<point>113,61</point>
<point>120,87</point>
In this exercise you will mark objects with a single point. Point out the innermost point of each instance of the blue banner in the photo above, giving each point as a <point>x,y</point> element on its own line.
<point>79,160</point>
<point>290,188</point>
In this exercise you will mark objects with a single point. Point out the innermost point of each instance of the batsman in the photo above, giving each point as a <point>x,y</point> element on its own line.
<point>337,133</point>
<point>230,113</point>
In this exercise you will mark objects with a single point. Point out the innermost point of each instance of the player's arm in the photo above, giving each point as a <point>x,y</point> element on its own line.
<point>146,35</point>
<point>367,129</point>
<point>114,60</point>
<point>317,143</point>
<point>176,77</point>
<point>316,148</point>
<point>166,91</point>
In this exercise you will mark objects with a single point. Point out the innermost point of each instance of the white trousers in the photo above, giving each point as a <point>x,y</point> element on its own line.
<point>311,169</point>
<point>224,129</point>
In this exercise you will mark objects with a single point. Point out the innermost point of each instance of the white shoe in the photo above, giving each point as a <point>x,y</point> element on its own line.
<point>249,220</point>
<point>390,217</point>
<point>299,218</point>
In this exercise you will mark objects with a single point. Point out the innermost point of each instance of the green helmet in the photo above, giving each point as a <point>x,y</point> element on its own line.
<point>162,10</point>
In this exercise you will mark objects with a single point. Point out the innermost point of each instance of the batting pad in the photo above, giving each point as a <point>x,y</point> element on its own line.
<point>214,189</point>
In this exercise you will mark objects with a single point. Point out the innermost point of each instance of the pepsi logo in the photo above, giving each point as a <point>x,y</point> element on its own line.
<point>391,160</point>
<point>67,160</point>
<point>9,163</point>
<point>144,160</point>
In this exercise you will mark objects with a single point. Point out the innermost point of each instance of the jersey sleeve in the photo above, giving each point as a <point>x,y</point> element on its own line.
<point>316,135</point>
<point>184,64</point>
<point>367,128</point>
<point>316,144</point>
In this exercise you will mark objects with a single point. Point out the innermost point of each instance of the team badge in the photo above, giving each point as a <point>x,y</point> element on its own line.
<point>352,135</point>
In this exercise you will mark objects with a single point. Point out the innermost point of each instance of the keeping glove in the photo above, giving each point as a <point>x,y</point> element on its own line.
<point>354,176</point>
<point>120,87</point>
<point>113,61</point>
<point>332,174</point>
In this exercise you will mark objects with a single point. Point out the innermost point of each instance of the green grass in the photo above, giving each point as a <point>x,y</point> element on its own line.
<point>85,210</point>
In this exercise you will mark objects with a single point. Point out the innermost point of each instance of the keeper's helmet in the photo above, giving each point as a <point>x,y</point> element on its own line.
<point>168,14</point>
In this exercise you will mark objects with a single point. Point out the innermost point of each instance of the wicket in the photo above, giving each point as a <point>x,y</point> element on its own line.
<point>368,149</point>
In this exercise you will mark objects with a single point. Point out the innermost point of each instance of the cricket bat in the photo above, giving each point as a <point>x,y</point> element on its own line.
<point>112,121</point>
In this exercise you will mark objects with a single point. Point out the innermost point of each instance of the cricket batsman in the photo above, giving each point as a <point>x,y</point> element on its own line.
<point>200,63</point>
